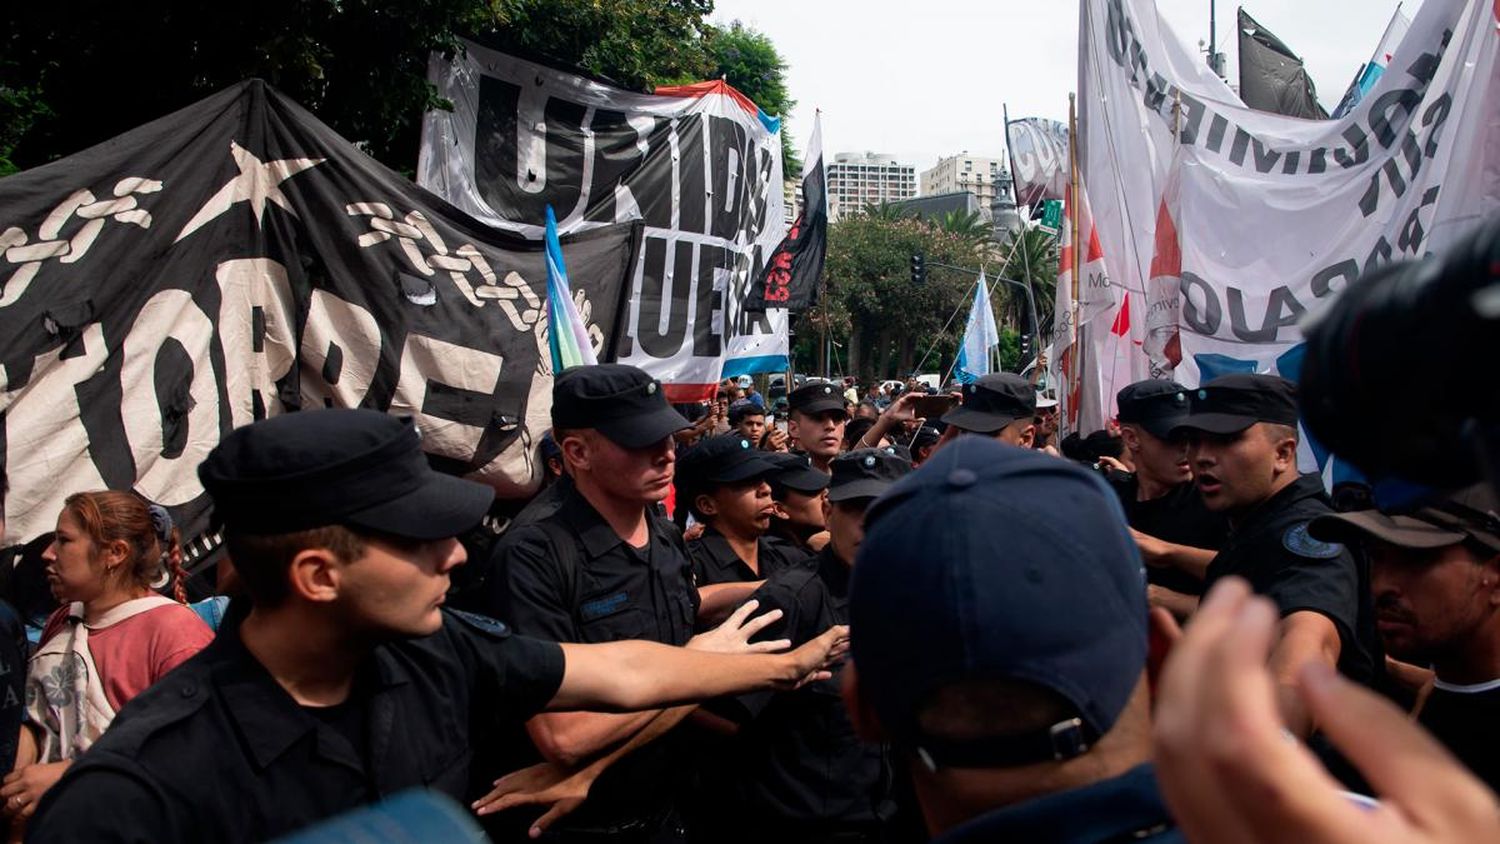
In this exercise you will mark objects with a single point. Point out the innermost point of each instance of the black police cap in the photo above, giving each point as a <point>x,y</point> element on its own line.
<point>318,468</point>
<point>619,401</point>
<point>796,473</point>
<point>724,459</point>
<point>993,402</point>
<point>817,397</point>
<point>866,473</point>
<point>1157,405</point>
<point>1231,403</point>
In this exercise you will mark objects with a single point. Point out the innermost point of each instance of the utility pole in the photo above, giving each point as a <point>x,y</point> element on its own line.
<point>1215,58</point>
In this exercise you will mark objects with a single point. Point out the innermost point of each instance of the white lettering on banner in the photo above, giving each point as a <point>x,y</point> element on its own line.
<point>171,316</point>
<point>52,443</point>
<point>256,328</point>
<point>29,255</point>
<point>426,361</point>
<point>340,351</point>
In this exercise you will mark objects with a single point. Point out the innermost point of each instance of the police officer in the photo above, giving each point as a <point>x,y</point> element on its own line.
<point>1435,572</point>
<point>1178,535</point>
<point>725,483</point>
<point>1242,444</point>
<point>796,771</point>
<point>1001,405</point>
<point>343,680</point>
<point>603,568</point>
<point>799,491</point>
<point>1016,697</point>
<point>815,420</point>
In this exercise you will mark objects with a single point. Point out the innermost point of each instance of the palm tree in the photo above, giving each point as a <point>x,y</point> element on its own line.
<point>1030,257</point>
<point>887,211</point>
<point>969,225</point>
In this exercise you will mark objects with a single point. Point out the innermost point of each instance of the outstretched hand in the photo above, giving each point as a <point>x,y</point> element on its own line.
<point>734,635</point>
<point>560,789</point>
<point>816,659</point>
<point>1231,773</point>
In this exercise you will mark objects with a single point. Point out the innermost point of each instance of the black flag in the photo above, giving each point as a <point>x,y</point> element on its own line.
<point>1271,75</point>
<point>790,279</point>
<point>236,260</point>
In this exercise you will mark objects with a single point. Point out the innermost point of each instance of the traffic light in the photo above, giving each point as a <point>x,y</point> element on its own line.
<point>918,268</point>
<point>1025,347</point>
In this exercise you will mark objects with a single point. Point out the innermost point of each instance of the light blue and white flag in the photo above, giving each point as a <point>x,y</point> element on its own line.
<point>980,336</point>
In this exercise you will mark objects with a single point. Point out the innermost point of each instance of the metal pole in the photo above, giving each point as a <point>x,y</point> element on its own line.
<point>1079,249</point>
<point>1036,337</point>
<point>1213,63</point>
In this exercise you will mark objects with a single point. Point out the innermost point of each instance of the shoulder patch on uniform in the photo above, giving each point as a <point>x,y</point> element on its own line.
<point>482,623</point>
<point>1298,541</point>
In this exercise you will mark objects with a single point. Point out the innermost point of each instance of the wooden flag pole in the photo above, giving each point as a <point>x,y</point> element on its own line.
<point>1075,194</point>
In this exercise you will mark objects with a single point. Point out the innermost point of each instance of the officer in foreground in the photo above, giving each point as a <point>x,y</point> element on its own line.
<point>1177,534</point>
<point>1009,678</point>
<point>795,770</point>
<point>1436,578</point>
<point>344,680</point>
<point>1242,443</point>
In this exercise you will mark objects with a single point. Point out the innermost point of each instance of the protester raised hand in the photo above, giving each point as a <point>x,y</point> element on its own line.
<point>821,655</point>
<point>1232,774</point>
<point>559,788</point>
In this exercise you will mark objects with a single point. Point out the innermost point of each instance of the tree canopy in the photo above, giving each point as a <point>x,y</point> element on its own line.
<point>68,80</point>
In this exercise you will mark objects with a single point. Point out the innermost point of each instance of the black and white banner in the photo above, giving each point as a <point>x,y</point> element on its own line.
<point>699,164</point>
<point>238,259</point>
<point>793,277</point>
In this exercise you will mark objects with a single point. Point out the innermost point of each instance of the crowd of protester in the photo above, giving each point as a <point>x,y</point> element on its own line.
<point>895,615</point>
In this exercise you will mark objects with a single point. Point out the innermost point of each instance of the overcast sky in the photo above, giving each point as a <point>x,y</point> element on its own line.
<point>926,78</point>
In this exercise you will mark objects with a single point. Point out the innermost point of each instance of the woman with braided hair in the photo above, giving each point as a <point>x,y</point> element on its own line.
<point>112,638</point>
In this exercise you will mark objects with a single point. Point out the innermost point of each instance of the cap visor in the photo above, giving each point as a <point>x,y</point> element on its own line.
<point>754,467</point>
<point>817,406</point>
<point>977,422</point>
<point>641,431</point>
<point>1401,531</point>
<point>805,481</point>
<point>1213,423</point>
<point>1163,429</point>
<point>859,489</point>
<point>441,507</point>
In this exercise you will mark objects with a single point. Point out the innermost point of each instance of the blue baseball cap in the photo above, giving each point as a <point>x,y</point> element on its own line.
<point>1001,563</point>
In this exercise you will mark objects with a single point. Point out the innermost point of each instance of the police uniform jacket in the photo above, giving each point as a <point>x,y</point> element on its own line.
<point>714,561</point>
<point>1179,517</point>
<point>796,763</point>
<point>218,751</point>
<point>597,588</point>
<point>1271,549</point>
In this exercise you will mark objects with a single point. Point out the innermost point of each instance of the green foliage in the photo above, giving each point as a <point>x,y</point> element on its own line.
<point>968,225</point>
<point>885,322</point>
<point>1031,258</point>
<point>748,60</point>
<point>70,78</point>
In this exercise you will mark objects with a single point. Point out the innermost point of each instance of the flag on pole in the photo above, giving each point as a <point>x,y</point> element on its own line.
<point>567,337</point>
<point>1371,71</point>
<point>790,279</point>
<point>980,335</point>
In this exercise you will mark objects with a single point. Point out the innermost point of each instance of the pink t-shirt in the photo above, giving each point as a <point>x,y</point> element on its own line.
<point>136,652</point>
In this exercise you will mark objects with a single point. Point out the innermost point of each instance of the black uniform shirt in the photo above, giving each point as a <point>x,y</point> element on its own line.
<point>218,751</point>
<point>1466,719</point>
<point>1126,808</point>
<point>608,592</point>
<point>797,760</point>
<point>1272,549</point>
<point>714,561</point>
<point>1179,517</point>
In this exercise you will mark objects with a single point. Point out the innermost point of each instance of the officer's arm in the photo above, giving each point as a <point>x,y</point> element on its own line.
<point>1304,636</point>
<point>717,600</point>
<point>637,675</point>
<point>102,805</point>
<point>1163,554</point>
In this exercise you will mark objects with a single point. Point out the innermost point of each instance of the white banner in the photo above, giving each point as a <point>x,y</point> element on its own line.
<point>1272,215</point>
<point>699,164</point>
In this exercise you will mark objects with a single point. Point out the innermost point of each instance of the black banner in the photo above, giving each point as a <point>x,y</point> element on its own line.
<point>237,260</point>
<point>790,279</point>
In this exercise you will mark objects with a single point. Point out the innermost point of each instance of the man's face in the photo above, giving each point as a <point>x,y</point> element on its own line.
<point>846,526</point>
<point>1430,603</point>
<point>631,474</point>
<point>395,589</point>
<point>821,434</point>
<point>1236,472</point>
<point>752,427</point>
<point>1163,461</point>
<point>741,510</point>
<point>802,510</point>
<point>1020,432</point>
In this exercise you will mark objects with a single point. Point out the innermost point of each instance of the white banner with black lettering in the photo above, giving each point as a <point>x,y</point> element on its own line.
<point>699,164</point>
<point>238,259</point>
<point>1272,214</point>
